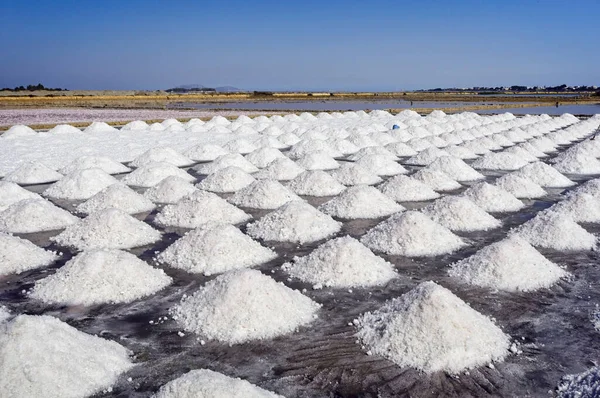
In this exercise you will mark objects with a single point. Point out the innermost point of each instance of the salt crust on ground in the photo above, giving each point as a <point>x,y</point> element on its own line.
<point>40,356</point>
<point>151,174</point>
<point>80,185</point>
<point>200,208</point>
<point>431,329</point>
<point>109,228</point>
<point>32,173</point>
<point>205,152</point>
<point>406,189</point>
<point>34,215</point>
<point>315,183</point>
<point>460,214</point>
<point>101,277</point>
<point>12,193</point>
<point>511,264</point>
<point>204,383</point>
<point>226,180</point>
<point>4,314</point>
<point>214,248</point>
<point>341,262</point>
<point>354,174</point>
<point>499,161</point>
<point>169,190</point>
<point>520,187</point>
<point>582,385</point>
<point>381,165</point>
<point>232,159</point>
<point>437,180</point>
<point>552,230</point>
<point>492,198</point>
<point>412,234</point>
<point>580,207</point>
<point>360,201</point>
<point>282,169</point>
<point>118,196</point>
<point>18,255</point>
<point>319,160</point>
<point>296,222</point>
<point>455,168</point>
<point>244,305</point>
<point>263,194</point>
<point>263,156</point>
<point>544,175</point>
<point>103,163</point>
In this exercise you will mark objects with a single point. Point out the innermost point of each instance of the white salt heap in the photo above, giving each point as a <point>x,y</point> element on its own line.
<point>580,207</point>
<point>232,159</point>
<point>244,305</point>
<point>18,255</point>
<point>437,180</point>
<point>32,173</point>
<point>263,194</point>
<point>354,174</point>
<point>80,185</point>
<point>427,156</point>
<point>577,163</point>
<point>100,127</point>
<point>431,329</point>
<point>317,161</point>
<point>521,154</point>
<point>169,190</point>
<point>492,198</point>
<point>455,168</point>
<point>226,180</point>
<point>263,156</point>
<point>342,262</point>
<point>412,234</point>
<point>205,152</point>
<point>315,183</point>
<point>400,149</point>
<point>118,196</point>
<point>214,248</point>
<point>240,145</point>
<point>499,161</point>
<point>372,150</point>
<point>34,215</point>
<point>18,130</point>
<point>40,356</point>
<point>109,228</point>
<point>12,193</point>
<point>161,154</point>
<point>200,208</point>
<point>511,264</point>
<point>282,169</point>
<point>103,163</point>
<point>4,314</point>
<point>460,214</point>
<point>552,230</point>
<point>381,165</point>
<point>406,189</point>
<point>544,175</point>
<point>520,187</point>
<point>296,222</point>
<point>204,383</point>
<point>360,201</point>
<point>151,174</point>
<point>101,277</point>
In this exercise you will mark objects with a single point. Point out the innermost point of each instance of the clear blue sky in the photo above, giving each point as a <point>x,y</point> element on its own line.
<point>310,45</point>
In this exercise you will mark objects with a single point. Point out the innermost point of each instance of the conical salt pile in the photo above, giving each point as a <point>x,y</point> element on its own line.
<point>427,156</point>
<point>18,255</point>
<point>400,149</point>
<point>341,262</point>
<point>32,173</point>
<point>40,356</point>
<point>296,222</point>
<point>263,156</point>
<point>578,163</point>
<point>460,214</point>
<point>511,264</point>
<point>437,180</point>
<point>205,152</point>
<point>520,187</point>
<point>461,152</point>
<point>308,146</point>
<point>521,154</point>
<point>406,189</point>
<point>412,234</point>
<point>200,208</point>
<point>552,230</point>
<point>381,165</point>
<point>354,174</point>
<point>270,142</point>
<point>315,183</point>
<point>431,329</point>
<point>455,168</point>
<point>579,206</point>
<point>263,194</point>
<point>161,154</point>
<point>360,201</point>
<point>226,180</point>
<point>118,196</point>
<point>204,383</point>
<point>372,150</point>
<point>151,174</point>
<point>232,159</point>
<point>242,306</point>
<point>100,277</point>
<point>110,229</point>
<point>18,130</point>
<point>105,164</point>
<point>492,198</point>
<point>79,185</point>
<point>100,127</point>
<point>544,175</point>
<point>499,161</point>
<point>591,187</point>
<point>317,161</point>
<point>240,145</point>
<point>34,215</point>
<point>214,248</point>
<point>169,190</point>
<point>282,169</point>
<point>343,146</point>
<point>12,193</point>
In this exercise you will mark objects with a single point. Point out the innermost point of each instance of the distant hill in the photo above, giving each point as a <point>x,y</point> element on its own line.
<point>192,88</point>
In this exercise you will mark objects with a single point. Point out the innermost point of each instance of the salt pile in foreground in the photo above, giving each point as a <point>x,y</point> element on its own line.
<point>118,196</point>
<point>12,193</point>
<point>32,173</point>
<point>493,199</point>
<point>460,214</point>
<point>226,180</point>
<point>244,305</point>
<point>431,329</point>
<point>151,174</point>
<point>406,189</point>
<point>81,184</point>
<point>263,194</point>
<point>18,255</point>
<point>360,201</point>
<point>544,175</point>
<point>170,190</point>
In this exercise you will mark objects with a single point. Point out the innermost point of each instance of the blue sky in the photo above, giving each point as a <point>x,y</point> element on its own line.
<point>306,45</point>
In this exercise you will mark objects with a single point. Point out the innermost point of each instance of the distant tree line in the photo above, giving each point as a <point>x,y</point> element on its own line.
<point>183,90</point>
<point>31,87</point>
<point>517,88</point>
